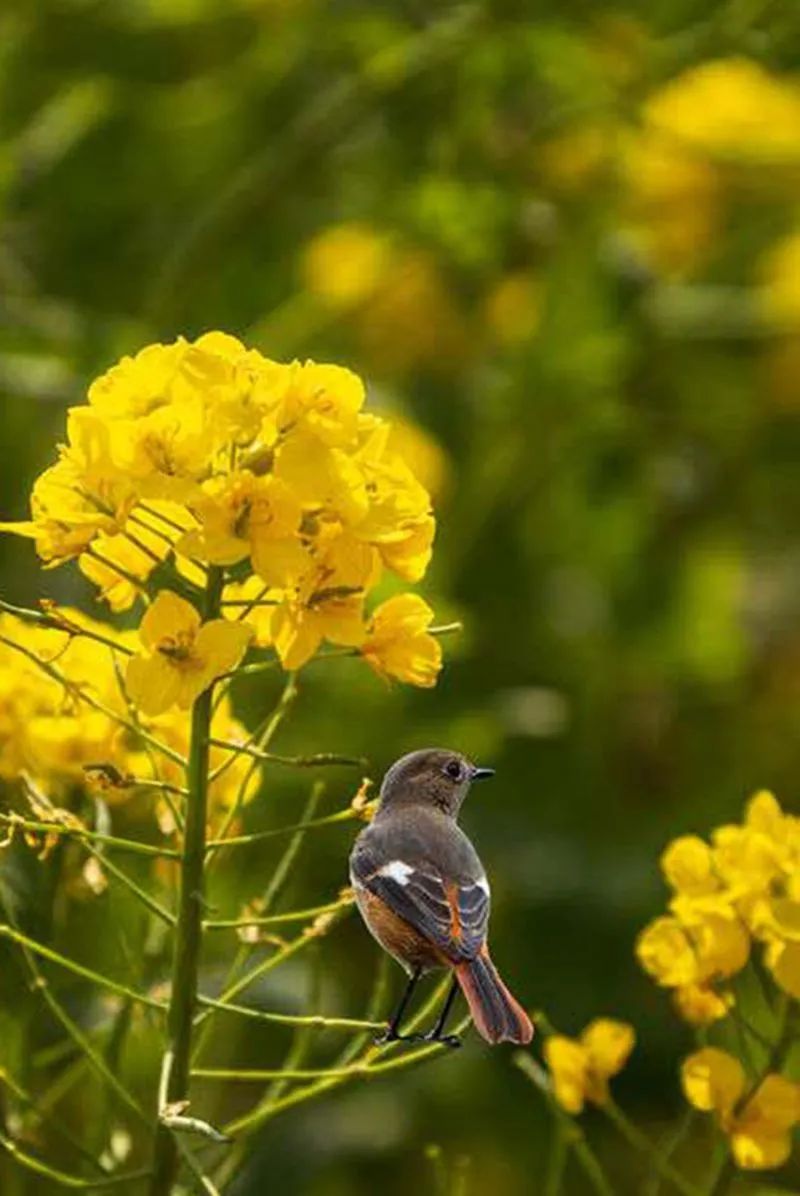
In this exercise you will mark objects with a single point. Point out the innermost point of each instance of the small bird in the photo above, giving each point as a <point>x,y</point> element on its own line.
<point>423,894</point>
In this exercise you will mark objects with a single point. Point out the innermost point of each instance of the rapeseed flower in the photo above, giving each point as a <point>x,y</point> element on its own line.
<point>206,454</point>
<point>581,1068</point>
<point>181,656</point>
<point>758,1122</point>
<point>398,643</point>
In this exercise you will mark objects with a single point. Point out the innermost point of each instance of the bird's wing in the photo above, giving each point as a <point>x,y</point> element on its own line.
<point>453,915</point>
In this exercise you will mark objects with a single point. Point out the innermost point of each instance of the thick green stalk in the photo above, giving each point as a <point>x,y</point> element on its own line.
<point>189,927</point>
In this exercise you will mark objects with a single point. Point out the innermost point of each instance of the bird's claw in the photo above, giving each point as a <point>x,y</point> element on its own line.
<point>448,1040</point>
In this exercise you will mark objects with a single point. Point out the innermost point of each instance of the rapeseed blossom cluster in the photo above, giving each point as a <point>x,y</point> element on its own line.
<point>757,1119</point>
<point>732,898</point>
<point>203,454</point>
<point>740,890</point>
<point>65,720</point>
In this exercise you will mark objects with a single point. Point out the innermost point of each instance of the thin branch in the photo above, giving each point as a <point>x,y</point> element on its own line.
<point>576,1139</point>
<point>298,915</point>
<point>314,1021</point>
<point>256,1118</point>
<point>77,1035</point>
<point>76,832</point>
<point>263,738</point>
<point>141,894</point>
<point>317,760</point>
<point>64,1178</point>
<point>58,622</point>
<point>78,969</point>
<point>47,1118</point>
<point>258,836</point>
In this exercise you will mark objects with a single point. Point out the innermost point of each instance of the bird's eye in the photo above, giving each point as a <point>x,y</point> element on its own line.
<point>453,769</point>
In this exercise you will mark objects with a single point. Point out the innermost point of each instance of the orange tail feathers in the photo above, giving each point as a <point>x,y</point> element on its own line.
<point>496,1014</point>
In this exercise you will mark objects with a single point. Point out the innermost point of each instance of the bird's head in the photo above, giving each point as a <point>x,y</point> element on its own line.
<point>433,777</point>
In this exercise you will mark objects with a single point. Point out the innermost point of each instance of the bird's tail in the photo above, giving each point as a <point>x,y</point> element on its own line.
<point>496,1014</point>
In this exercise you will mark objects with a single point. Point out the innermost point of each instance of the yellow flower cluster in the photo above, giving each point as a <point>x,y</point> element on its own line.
<point>758,1121</point>
<point>742,887</point>
<point>581,1068</point>
<point>64,718</point>
<point>699,137</point>
<point>206,453</point>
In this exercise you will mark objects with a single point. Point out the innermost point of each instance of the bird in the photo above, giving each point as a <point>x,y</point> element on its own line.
<point>422,892</point>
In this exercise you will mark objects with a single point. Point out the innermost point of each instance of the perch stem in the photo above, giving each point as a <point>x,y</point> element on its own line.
<point>189,927</point>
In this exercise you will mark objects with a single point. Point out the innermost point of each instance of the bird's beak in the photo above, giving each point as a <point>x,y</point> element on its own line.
<point>482,774</point>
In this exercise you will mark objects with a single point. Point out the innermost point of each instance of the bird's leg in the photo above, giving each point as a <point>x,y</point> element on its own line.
<point>437,1033</point>
<point>392,1031</point>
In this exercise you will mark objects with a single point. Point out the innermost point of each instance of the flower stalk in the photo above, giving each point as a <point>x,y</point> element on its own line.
<point>189,927</point>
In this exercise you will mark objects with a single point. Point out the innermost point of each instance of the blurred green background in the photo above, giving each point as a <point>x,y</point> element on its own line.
<point>561,242</point>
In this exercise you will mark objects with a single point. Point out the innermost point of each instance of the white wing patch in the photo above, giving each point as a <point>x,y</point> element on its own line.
<point>398,871</point>
<point>483,883</point>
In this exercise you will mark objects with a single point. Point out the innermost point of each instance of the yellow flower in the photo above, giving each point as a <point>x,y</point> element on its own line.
<point>261,601</point>
<point>697,949</point>
<point>79,497</point>
<point>760,1131</point>
<point>713,1081</point>
<point>325,480</point>
<point>666,952</point>
<point>324,400</point>
<point>782,959</point>
<point>181,657</point>
<point>409,557</point>
<point>581,1068</point>
<point>165,453</point>
<point>327,603</point>
<point>761,1134</point>
<point>688,865</point>
<point>344,264</point>
<point>700,1005</point>
<point>135,386</point>
<point>747,860</point>
<point>673,200</point>
<point>119,565</point>
<point>780,286</point>
<point>398,644</point>
<point>243,515</point>
<point>731,108</point>
<point>398,519</point>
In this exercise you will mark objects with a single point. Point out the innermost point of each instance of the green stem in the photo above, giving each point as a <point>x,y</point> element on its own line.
<point>80,832</point>
<point>257,836</point>
<point>64,1178</point>
<point>317,760</point>
<point>297,915</point>
<point>642,1144</point>
<point>557,1163</point>
<point>189,928</point>
<point>575,1138</point>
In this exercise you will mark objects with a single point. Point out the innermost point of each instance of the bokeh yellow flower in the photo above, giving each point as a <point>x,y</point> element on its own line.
<point>731,108</point>
<point>757,1122</point>
<point>344,264</point>
<point>181,656</point>
<point>581,1068</point>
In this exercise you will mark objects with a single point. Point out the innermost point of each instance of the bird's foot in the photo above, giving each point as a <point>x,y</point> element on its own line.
<point>391,1035</point>
<point>449,1040</point>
